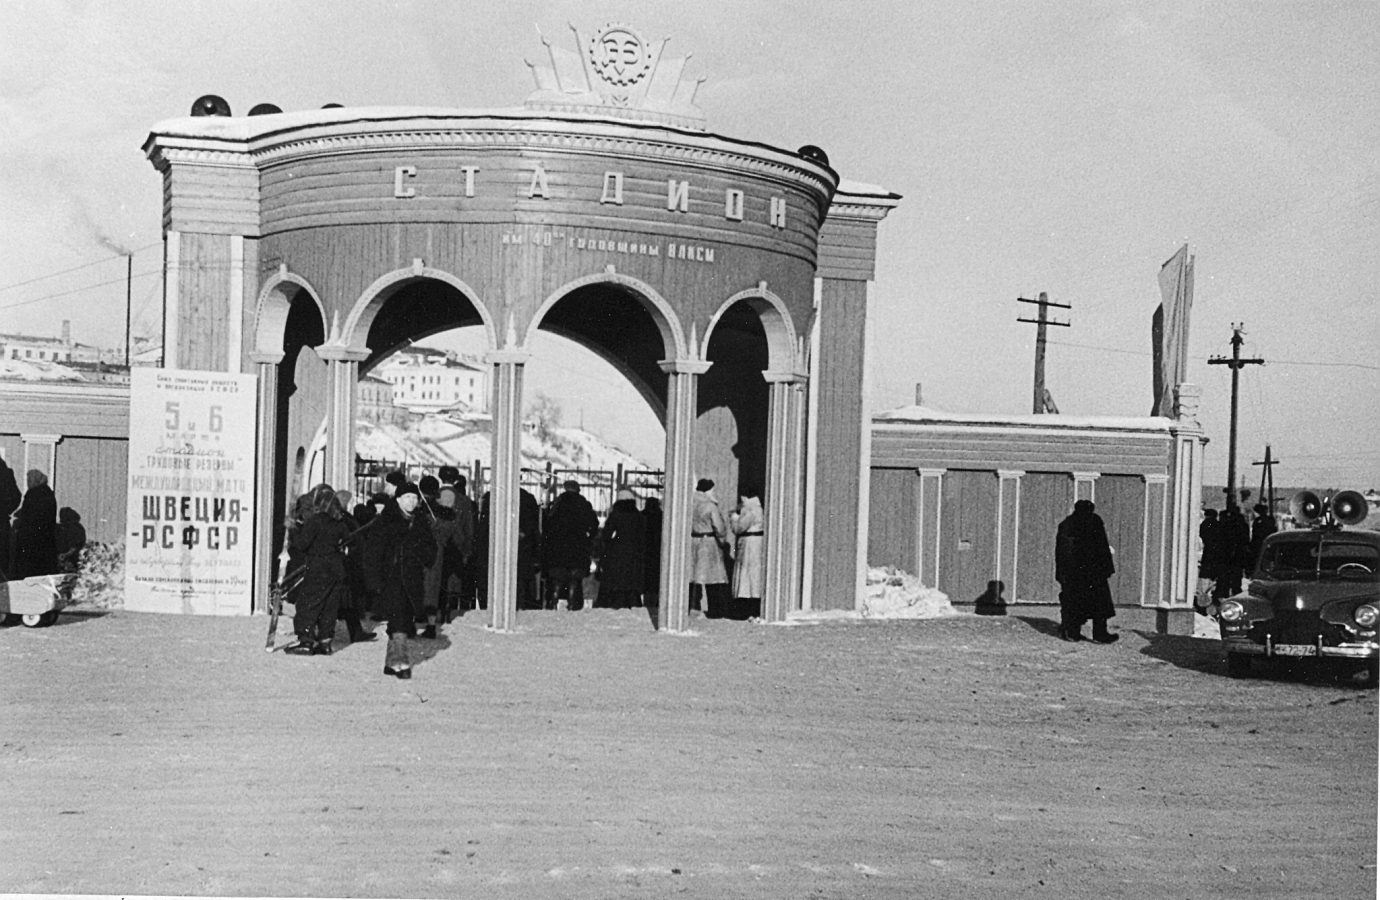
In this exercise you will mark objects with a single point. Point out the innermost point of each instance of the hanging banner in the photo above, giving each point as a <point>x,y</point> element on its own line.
<point>190,535</point>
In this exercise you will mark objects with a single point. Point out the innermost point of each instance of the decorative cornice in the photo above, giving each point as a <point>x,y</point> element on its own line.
<point>684,366</point>
<point>384,133</point>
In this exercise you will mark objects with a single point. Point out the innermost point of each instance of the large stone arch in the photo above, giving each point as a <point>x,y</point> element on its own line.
<point>662,313</point>
<point>354,331</point>
<point>659,310</point>
<point>782,346</point>
<point>272,308</point>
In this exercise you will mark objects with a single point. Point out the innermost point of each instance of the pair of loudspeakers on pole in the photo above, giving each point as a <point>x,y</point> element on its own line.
<point>1342,508</point>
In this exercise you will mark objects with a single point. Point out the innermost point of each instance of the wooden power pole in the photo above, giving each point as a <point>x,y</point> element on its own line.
<point>1236,363</point>
<point>1267,478</point>
<point>1038,397</point>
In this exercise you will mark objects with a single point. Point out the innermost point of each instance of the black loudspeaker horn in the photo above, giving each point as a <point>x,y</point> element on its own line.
<point>1306,507</point>
<point>210,105</point>
<point>1349,508</point>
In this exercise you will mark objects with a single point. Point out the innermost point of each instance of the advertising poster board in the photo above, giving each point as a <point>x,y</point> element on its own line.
<point>190,527</point>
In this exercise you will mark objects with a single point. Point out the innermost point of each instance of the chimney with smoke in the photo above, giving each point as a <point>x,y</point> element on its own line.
<point>919,394</point>
<point>67,332</point>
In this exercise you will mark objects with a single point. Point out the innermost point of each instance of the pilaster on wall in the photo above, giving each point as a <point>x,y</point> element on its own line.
<point>504,491</point>
<point>342,366</point>
<point>781,502</point>
<point>210,208</point>
<point>1008,531</point>
<point>682,390</point>
<point>840,418</point>
<point>1085,486</point>
<point>928,503</point>
<point>266,445</point>
<point>1153,581</point>
<point>40,452</point>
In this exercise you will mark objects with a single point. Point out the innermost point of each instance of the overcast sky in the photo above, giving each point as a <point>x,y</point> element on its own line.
<point>1061,147</point>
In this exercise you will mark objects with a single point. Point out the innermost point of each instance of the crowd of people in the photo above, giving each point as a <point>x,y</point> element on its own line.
<point>1230,547</point>
<point>36,538</point>
<point>416,554</point>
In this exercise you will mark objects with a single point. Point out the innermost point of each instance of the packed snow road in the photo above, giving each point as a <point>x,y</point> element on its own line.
<point>588,756</point>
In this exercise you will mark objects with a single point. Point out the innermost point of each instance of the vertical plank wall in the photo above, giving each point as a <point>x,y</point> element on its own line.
<point>968,543</point>
<point>91,474</point>
<point>838,379</point>
<point>1046,498</point>
<point>891,515</point>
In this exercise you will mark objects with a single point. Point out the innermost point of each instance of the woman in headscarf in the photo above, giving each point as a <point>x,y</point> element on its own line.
<point>623,554</point>
<point>746,524</point>
<point>318,543</point>
<point>35,529</point>
<point>351,596</point>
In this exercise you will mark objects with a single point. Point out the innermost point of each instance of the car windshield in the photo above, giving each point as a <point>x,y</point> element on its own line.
<point>1325,556</point>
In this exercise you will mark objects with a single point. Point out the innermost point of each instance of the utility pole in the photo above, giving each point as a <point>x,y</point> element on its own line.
<point>129,288</point>
<point>1038,397</point>
<point>1236,362</point>
<point>1267,477</point>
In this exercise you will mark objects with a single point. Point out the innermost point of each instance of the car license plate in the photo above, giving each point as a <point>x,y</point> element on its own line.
<point>1295,650</point>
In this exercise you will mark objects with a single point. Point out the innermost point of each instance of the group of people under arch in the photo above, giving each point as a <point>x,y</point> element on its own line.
<point>413,555</point>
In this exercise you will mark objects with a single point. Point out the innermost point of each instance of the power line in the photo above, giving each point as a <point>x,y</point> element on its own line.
<point>78,290</point>
<point>75,268</point>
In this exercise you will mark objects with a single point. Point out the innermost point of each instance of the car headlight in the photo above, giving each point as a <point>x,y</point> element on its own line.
<point>1366,616</point>
<point>1232,611</point>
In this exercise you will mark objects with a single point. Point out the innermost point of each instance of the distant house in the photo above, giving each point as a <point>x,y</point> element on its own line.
<point>425,380</point>
<point>28,348</point>
<point>375,402</point>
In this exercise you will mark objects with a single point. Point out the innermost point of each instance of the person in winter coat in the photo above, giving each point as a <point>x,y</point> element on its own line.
<point>466,513</point>
<point>749,555</point>
<point>1263,525</point>
<point>71,539</point>
<point>442,529</point>
<point>1235,536</point>
<point>10,498</point>
<point>571,527</point>
<point>1210,560</point>
<point>399,548</point>
<point>708,542</point>
<point>623,554</point>
<point>35,529</point>
<point>1082,565</point>
<point>317,544</point>
<point>651,560</point>
<point>352,593</point>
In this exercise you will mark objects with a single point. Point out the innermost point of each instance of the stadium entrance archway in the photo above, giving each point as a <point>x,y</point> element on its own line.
<point>718,275</point>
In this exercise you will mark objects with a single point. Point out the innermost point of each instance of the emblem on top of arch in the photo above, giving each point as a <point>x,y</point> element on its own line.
<point>615,72</point>
<point>619,55</point>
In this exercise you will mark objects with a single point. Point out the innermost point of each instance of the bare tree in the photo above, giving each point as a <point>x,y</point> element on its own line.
<point>545,412</point>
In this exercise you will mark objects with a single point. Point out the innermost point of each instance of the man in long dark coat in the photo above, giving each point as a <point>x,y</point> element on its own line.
<point>10,498</point>
<point>1082,565</point>
<point>623,554</point>
<point>399,548</point>
<point>571,527</point>
<point>317,543</point>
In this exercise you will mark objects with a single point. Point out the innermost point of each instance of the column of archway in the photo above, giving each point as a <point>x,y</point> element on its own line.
<point>266,449</point>
<point>782,494</point>
<point>503,487</point>
<point>682,397</point>
<point>795,541</point>
<point>342,365</point>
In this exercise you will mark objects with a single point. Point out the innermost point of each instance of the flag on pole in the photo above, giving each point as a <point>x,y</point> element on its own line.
<point>1169,330</point>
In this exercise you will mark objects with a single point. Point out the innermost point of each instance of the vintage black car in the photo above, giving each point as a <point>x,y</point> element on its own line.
<point>1314,594</point>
